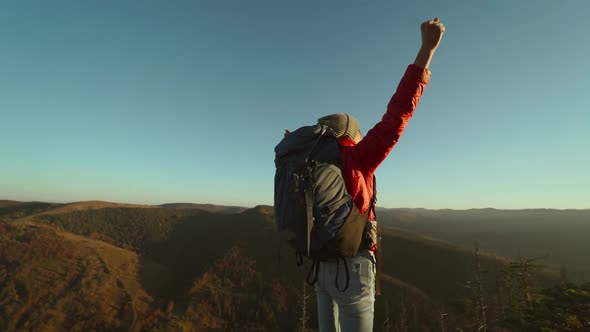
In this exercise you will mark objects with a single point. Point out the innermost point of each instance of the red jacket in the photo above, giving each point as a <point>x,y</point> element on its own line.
<point>361,160</point>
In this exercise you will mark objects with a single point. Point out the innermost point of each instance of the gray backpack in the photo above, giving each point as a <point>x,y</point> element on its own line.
<point>311,200</point>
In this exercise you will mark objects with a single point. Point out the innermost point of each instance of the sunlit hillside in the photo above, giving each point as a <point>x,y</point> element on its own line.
<point>119,267</point>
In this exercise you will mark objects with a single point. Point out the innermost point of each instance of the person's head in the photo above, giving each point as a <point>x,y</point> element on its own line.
<point>343,125</point>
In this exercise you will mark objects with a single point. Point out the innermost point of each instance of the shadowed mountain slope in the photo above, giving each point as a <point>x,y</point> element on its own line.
<point>169,269</point>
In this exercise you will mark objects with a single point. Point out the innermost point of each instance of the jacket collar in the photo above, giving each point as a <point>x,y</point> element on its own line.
<point>345,141</point>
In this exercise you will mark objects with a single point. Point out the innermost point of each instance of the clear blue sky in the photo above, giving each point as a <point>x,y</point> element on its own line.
<point>184,101</point>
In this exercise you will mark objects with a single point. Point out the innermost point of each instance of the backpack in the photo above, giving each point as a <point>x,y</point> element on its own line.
<point>311,200</point>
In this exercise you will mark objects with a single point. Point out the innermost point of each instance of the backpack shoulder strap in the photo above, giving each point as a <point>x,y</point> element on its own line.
<point>374,198</point>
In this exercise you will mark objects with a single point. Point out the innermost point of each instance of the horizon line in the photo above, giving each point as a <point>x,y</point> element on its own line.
<point>257,205</point>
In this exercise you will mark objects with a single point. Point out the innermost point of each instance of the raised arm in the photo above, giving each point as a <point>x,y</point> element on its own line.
<point>368,154</point>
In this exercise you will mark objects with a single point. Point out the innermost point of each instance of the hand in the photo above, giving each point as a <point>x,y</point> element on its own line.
<point>432,32</point>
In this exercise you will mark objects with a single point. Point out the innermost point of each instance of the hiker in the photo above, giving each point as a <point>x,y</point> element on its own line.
<point>325,193</point>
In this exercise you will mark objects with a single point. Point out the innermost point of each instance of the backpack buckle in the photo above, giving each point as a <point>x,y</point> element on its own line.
<point>296,182</point>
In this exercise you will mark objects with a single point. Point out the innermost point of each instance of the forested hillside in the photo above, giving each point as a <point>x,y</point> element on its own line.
<point>182,269</point>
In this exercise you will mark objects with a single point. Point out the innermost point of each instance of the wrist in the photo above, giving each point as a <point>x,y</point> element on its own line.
<point>424,57</point>
<point>427,49</point>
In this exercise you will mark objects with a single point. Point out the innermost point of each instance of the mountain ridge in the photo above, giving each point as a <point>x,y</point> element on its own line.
<point>149,258</point>
<point>9,202</point>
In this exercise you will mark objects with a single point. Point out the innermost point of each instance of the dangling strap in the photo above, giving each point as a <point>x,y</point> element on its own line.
<point>312,275</point>
<point>298,259</point>
<point>378,259</point>
<point>379,249</point>
<point>280,241</point>
<point>347,275</point>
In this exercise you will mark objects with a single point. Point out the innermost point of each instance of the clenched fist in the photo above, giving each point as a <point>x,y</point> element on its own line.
<point>432,32</point>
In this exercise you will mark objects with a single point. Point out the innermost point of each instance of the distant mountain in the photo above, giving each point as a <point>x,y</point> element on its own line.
<point>260,210</point>
<point>94,205</point>
<point>9,206</point>
<point>561,235</point>
<point>5,203</point>
<point>10,210</point>
<point>205,207</point>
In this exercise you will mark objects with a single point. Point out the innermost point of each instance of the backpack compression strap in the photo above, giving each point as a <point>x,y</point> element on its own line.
<point>308,207</point>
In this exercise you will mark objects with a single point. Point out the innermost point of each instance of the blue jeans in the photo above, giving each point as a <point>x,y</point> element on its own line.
<point>353,309</point>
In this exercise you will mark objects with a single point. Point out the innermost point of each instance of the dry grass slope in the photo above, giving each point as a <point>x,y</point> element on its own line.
<point>65,282</point>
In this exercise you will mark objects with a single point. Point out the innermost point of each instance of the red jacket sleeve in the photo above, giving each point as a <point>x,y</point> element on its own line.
<point>376,145</point>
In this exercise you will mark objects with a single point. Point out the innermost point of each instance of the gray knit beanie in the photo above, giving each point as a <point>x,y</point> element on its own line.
<point>343,125</point>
